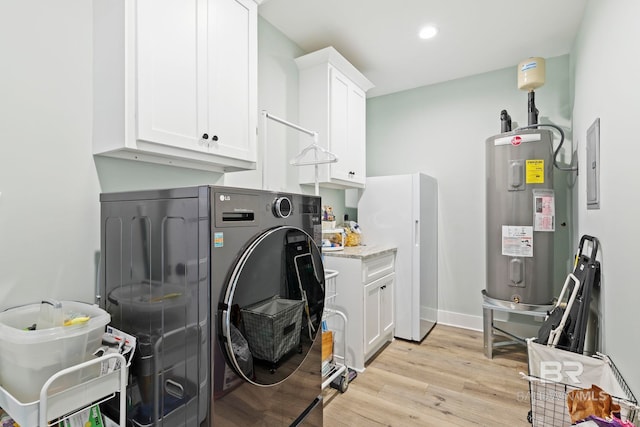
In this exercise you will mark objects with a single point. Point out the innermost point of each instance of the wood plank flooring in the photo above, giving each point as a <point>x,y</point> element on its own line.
<point>444,381</point>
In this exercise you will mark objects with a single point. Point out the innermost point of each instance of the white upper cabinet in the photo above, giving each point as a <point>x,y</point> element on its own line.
<point>333,103</point>
<point>176,82</point>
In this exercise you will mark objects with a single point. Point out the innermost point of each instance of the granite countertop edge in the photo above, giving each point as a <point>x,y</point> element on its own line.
<point>361,252</point>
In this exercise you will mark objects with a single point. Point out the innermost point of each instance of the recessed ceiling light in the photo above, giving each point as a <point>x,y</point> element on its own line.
<point>428,32</point>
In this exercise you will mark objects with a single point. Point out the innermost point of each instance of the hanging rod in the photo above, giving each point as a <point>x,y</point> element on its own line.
<point>312,133</point>
<point>297,161</point>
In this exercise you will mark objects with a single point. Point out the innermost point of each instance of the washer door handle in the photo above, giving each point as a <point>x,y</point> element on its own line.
<point>225,324</point>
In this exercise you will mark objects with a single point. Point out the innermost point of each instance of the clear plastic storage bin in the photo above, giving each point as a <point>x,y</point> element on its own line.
<point>29,357</point>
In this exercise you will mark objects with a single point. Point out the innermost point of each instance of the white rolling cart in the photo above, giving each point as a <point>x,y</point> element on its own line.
<point>338,365</point>
<point>63,404</point>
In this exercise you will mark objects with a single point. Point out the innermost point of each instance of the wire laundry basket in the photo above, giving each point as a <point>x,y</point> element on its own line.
<point>548,393</point>
<point>272,327</point>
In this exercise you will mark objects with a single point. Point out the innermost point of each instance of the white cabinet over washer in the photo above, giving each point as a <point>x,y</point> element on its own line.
<point>175,82</point>
<point>333,103</point>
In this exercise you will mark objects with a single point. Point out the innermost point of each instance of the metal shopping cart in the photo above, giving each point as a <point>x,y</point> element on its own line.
<point>335,371</point>
<point>554,373</point>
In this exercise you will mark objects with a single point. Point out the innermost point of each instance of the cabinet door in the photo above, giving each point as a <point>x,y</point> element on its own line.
<point>356,140</point>
<point>387,304</point>
<point>167,72</point>
<point>339,122</point>
<point>231,110</point>
<point>372,330</point>
<point>347,128</point>
<point>196,75</point>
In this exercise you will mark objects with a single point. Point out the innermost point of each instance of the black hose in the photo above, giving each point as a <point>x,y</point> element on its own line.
<point>555,153</point>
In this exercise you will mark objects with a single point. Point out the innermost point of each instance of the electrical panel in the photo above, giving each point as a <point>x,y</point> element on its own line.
<point>593,165</point>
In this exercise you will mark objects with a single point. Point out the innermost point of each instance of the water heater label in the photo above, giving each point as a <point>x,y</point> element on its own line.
<point>517,140</point>
<point>517,240</point>
<point>535,171</point>
<point>544,210</point>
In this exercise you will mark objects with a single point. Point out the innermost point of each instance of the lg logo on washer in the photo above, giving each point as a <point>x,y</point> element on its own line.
<point>224,198</point>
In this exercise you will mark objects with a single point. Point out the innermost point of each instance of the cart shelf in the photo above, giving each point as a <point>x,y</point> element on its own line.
<point>96,389</point>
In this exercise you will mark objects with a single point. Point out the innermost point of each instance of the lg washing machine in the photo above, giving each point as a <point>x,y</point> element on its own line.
<point>224,290</point>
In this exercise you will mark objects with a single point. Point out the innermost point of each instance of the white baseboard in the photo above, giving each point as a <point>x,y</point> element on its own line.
<point>460,320</point>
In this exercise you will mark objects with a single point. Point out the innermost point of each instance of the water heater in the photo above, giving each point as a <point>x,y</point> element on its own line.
<point>520,216</point>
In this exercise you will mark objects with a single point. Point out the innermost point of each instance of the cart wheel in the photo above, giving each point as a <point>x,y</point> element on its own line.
<point>344,384</point>
<point>530,417</point>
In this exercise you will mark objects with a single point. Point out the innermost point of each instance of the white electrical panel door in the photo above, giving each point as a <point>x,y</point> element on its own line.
<point>593,165</point>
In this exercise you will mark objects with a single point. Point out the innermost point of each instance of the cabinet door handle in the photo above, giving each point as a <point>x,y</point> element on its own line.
<point>205,136</point>
<point>214,138</point>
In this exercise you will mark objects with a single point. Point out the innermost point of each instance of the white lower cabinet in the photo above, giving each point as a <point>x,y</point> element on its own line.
<point>378,312</point>
<point>365,293</point>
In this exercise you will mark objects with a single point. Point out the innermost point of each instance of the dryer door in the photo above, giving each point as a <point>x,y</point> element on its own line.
<point>273,305</point>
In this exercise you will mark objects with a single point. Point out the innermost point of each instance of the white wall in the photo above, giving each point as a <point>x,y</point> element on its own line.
<point>50,183</point>
<point>48,208</point>
<point>441,130</point>
<point>605,64</point>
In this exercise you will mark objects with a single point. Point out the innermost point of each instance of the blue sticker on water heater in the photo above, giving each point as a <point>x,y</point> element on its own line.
<point>218,239</point>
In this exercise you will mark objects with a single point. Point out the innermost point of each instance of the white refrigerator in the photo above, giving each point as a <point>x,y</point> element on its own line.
<point>402,210</point>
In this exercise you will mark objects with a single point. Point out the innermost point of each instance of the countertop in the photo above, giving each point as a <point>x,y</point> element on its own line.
<point>361,252</point>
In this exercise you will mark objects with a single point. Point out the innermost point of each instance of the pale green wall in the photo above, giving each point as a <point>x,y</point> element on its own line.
<point>441,130</point>
<point>604,62</point>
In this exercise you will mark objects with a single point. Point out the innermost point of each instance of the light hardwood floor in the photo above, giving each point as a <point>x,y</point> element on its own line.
<point>444,381</point>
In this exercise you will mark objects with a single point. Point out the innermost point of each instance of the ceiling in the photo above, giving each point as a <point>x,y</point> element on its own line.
<point>380,37</point>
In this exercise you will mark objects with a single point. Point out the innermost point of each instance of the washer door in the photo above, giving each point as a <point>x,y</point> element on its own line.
<point>273,305</point>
